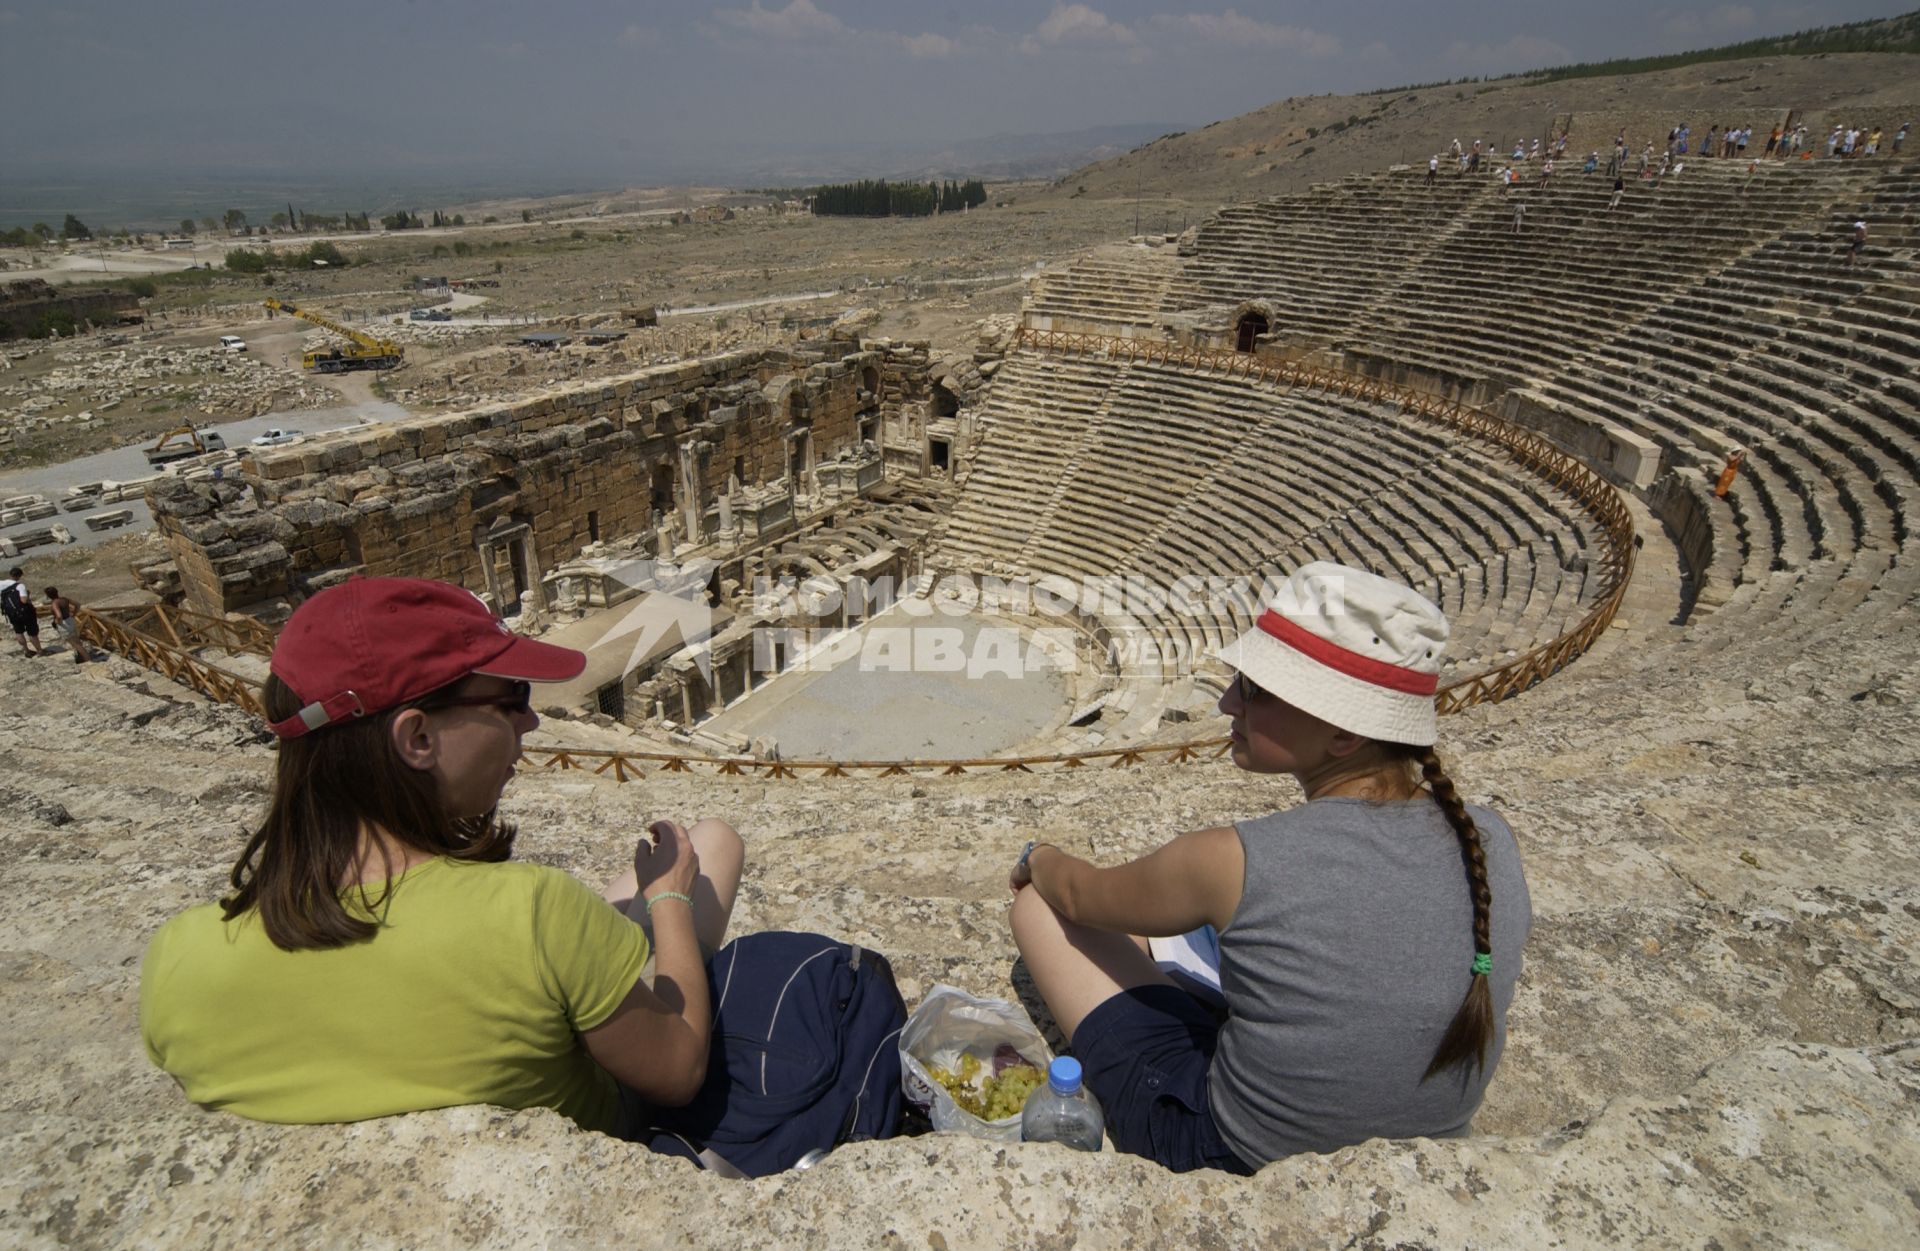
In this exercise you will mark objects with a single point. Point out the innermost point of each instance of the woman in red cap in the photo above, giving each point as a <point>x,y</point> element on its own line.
<point>1345,965</point>
<point>380,952</point>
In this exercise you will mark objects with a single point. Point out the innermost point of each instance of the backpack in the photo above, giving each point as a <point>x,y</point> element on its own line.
<point>805,1056</point>
<point>12,606</point>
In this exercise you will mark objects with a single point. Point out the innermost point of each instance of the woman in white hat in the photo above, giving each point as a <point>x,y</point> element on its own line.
<point>1367,941</point>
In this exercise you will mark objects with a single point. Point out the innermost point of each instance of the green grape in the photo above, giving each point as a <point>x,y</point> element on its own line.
<point>960,1085</point>
<point>991,1098</point>
<point>1007,1093</point>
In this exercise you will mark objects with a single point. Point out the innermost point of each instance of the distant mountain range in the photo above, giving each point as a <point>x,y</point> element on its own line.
<point>995,158</point>
<point>156,199</point>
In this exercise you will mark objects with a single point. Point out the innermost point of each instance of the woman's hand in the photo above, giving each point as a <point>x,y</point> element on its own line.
<point>668,863</point>
<point>1022,875</point>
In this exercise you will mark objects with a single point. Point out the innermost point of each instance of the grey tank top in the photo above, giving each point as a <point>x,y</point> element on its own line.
<point>1342,968</point>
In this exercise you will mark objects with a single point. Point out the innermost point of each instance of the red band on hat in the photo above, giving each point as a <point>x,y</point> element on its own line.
<point>1340,660</point>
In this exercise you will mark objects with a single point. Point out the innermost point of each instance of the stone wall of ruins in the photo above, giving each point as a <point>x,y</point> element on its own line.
<point>494,497</point>
<point>905,389</point>
<point>25,305</point>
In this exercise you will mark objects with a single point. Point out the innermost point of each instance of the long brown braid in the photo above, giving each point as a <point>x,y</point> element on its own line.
<point>1472,1030</point>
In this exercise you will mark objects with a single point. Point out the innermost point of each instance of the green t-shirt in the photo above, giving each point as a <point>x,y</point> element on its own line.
<point>472,991</point>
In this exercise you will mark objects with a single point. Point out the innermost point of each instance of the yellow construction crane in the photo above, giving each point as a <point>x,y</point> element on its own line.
<point>367,352</point>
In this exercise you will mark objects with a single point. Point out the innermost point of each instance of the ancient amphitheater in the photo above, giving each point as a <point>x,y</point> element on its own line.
<point>1696,705</point>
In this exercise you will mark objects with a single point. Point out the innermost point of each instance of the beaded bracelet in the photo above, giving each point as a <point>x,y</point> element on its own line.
<point>669,894</point>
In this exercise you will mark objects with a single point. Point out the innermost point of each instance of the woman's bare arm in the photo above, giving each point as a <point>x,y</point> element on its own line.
<point>655,1043</point>
<point>1194,880</point>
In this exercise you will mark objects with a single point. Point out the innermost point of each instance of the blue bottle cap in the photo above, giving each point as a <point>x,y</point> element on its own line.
<point>1064,1075</point>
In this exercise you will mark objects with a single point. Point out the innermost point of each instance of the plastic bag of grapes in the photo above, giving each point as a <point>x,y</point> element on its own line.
<point>969,1063</point>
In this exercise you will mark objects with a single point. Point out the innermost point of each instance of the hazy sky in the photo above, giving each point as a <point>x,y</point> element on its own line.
<point>624,91</point>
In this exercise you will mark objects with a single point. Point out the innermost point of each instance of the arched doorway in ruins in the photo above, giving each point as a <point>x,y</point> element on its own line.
<point>1252,325</point>
<point>660,490</point>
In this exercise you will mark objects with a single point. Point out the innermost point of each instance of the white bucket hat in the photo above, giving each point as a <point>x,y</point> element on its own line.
<point>1352,648</point>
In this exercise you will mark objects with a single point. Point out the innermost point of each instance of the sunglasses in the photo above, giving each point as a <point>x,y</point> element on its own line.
<point>515,700</point>
<point>1248,691</point>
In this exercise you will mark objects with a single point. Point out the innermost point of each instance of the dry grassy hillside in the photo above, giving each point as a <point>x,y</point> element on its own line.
<point>1307,139</point>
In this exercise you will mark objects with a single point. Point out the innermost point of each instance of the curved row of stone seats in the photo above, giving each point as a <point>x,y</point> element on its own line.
<point>1336,252</point>
<point>1179,475</point>
<point>1711,312</point>
<point>1452,287</point>
<point>1033,422</point>
<point>1109,289</point>
<point>1518,306</point>
<point>1804,362</point>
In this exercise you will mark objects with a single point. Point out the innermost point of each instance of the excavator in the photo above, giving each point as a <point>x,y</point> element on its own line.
<point>366,351</point>
<point>193,443</point>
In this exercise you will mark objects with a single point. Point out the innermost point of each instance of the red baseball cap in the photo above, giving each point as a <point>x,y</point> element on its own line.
<point>370,644</point>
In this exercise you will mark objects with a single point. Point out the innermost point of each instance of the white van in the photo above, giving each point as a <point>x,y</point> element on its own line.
<point>232,343</point>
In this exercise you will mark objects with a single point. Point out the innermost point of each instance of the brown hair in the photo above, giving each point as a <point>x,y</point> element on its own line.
<point>1471,1032</point>
<point>326,786</point>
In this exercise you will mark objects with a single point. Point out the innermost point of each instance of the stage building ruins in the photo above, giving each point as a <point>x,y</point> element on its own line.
<point>803,462</point>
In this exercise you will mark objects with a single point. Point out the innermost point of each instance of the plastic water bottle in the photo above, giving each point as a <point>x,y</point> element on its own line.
<point>1063,1110</point>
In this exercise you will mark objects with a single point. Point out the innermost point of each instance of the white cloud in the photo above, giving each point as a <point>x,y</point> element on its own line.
<point>801,19</point>
<point>1520,53</point>
<point>1081,25</point>
<point>1250,32</point>
<point>1726,23</point>
<point>1732,19</point>
<point>638,36</point>
<point>929,47</point>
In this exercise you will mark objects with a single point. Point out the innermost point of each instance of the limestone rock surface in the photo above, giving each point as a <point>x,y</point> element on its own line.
<point>1716,1041</point>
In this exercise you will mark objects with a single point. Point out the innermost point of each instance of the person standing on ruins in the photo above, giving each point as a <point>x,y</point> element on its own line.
<point>1323,946</point>
<point>1619,189</point>
<point>381,951</point>
<point>1433,168</point>
<point>67,622</point>
<point>16,604</point>
<point>1857,243</point>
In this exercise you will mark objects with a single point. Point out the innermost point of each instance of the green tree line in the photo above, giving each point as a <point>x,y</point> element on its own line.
<point>251,261</point>
<point>880,198</point>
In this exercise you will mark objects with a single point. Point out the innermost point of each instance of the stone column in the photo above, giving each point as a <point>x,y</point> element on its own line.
<point>493,578</point>
<point>690,505</point>
<point>534,602</point>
